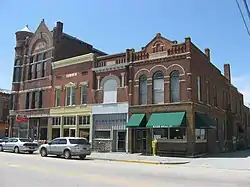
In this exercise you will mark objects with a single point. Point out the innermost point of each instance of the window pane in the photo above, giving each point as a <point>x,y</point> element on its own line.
<point>40,57</point>
<point>79,141</point>
<point>73,96</point>
<point>58,95</point>
<point>18,62</point>
<point>83,95</point>
<point>102,134</point>
<point>110,96</point>
<point>17,74</point>
<point>143,91</point>
<point>175,87</point>
<point>177,133</point>
<point>68,92</point>
<point>158,91</point>
<point>110,91</point>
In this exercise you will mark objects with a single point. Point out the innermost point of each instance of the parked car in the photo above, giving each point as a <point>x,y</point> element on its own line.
<point>18,145</point>
<point>4,139</point>
<point>67,147</point>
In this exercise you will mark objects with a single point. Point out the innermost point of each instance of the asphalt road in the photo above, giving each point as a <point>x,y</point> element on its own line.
<point>32,170</point>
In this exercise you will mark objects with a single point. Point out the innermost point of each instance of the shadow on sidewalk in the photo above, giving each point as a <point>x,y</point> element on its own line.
<point>237,154</point>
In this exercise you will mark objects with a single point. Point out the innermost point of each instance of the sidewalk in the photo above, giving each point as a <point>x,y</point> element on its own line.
<point>138,158</point>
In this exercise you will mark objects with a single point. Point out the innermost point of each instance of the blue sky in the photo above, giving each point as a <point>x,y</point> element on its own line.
<point>114,25</point>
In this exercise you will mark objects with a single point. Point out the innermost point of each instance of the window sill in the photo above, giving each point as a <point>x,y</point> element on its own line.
<point>102,139</point>
<point>109,103</point>
<point>171,140</point>
<point>83,105</point>
<point>200,141</point>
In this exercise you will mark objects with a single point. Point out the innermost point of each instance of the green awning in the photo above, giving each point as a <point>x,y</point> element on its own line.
<point>165,120</point>
<point>203,121</point>
<point>136,120</point>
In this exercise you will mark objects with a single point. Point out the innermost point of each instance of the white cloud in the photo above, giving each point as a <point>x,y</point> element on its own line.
<point>243,85</point>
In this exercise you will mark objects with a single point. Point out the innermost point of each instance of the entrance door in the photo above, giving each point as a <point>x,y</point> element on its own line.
<point>72,132</point>
<point>140,140</point>
<point>121,141</point>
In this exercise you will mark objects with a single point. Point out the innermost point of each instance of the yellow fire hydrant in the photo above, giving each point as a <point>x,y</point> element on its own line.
<point>154,142</point>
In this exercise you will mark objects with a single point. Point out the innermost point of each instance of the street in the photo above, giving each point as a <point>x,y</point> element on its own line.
<point>33,170</point>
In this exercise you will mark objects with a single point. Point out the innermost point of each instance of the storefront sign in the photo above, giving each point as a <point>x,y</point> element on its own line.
<point>71,75</point>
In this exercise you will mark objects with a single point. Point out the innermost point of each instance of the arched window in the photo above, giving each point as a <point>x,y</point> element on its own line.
<point>158,88</point>
<point>110,91</point>
<point>143,94</point>
<point>175,87</point>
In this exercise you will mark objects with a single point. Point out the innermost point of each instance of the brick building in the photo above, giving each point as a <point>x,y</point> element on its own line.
<point>72,88</point>
<point>4,112</point>
<point>110,108</point>
<point>32,76</point>
<point>177,96</point>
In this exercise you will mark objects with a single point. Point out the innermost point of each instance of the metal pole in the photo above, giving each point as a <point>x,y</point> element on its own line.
<point>28,128</point>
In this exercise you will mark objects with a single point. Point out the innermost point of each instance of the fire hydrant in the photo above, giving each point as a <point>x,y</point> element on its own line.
<point>154,142</point>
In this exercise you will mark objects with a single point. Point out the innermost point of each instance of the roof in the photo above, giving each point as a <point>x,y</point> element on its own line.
<point>5,91</point>
<point>74,38</point>
<point>26,29</point>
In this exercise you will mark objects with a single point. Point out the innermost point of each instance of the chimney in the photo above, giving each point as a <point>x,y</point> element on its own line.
<point>58,30</point>
<point>227,73</point>
<point>188,44</point>
<point>207,52</point>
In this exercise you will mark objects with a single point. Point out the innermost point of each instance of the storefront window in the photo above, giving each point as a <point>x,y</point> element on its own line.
<point>200,134</point>
<point>102,134</point>
<point>160,133</point>
<point>170,133</point>
<point>177,133</point>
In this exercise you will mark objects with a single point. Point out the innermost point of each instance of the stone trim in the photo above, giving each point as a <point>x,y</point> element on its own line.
<point>70,84</point>
<point>84,83</point>
<point>110,76</point>
<point>58,87</point>
<point>73,61</point>
<point>110,68</point>
<point>34,89</point>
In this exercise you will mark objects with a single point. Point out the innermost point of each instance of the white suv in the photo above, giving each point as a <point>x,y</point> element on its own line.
<point>67,147</point>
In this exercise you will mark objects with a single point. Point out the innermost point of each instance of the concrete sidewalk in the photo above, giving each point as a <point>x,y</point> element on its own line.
<point>138,158</point>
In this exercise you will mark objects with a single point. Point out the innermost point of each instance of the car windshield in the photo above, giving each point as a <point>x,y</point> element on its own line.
<point>24,140</point>
<point>78,141</point>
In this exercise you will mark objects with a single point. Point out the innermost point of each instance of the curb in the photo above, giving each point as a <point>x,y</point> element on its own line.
<point>143,161</point>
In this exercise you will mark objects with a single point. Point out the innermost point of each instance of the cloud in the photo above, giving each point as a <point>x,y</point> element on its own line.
<point>243,85</point>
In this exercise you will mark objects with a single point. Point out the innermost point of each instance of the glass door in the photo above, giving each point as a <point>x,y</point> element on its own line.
<point>72,132</point>
<point>121,141</point>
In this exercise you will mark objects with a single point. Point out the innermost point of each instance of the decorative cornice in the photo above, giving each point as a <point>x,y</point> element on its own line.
<point>162,59</point>
<point>110,68</point>
<point>73,60</point>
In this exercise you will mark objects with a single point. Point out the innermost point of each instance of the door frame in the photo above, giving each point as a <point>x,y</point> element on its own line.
<point>70,129</point>
<point>117,140</point>
<point>141,130</point>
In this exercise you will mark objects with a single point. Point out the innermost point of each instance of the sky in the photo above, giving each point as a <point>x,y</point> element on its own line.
<point>114,25</point>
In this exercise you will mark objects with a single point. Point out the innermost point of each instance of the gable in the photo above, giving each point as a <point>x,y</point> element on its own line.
<point>41,40</point>
<point>158,44</point>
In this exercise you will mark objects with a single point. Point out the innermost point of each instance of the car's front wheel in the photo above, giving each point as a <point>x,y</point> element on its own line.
<point>43,152</point>
<point>67,154</point>
<point>16,150</point>
<point>1,148</point>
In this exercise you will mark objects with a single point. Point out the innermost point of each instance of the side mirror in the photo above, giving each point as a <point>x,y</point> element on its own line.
<point>49,143</point>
